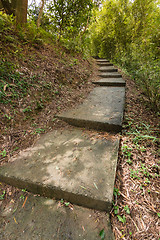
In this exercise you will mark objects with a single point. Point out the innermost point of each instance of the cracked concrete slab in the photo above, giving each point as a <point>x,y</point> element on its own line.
<point>110,75</point>
<point>102,110</point>
<point>67,164</point>
<point>116,82</point>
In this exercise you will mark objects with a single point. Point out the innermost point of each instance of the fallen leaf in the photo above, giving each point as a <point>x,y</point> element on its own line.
<point>24,202</point>
<point>15,220</point>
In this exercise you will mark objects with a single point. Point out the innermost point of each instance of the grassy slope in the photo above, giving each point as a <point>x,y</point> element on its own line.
<point>37,80</point>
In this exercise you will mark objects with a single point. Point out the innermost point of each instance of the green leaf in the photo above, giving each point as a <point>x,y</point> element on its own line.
<point>121,219</point>
<point>102,234</point>
<point>126,208</point>
<point>158,215</point>
<point>67,204</point>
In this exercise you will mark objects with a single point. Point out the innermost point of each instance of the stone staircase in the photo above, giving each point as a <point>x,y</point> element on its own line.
<point>77,165</point>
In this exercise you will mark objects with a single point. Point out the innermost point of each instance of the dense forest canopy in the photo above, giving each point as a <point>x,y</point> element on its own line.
<point>125,31</point>
<point>128,32</point>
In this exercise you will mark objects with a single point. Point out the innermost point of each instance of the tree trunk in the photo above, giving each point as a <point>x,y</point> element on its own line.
<point>9,6</point>
<point>40,14</point>
<point>1,6</point>
<point>16,7</point>
<point>21,11</point>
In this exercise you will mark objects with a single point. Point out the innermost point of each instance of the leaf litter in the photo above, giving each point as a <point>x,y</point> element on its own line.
<point>138,171</point>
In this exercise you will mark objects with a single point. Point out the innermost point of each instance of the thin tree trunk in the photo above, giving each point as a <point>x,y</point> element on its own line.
<point>40,13</point>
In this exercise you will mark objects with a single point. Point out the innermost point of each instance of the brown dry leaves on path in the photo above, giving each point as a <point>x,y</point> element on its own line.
<point>136,211</point>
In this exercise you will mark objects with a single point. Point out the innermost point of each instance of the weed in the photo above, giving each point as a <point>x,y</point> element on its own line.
<point>66,204</point>
<point>126,208</point>
<point>134,174</point>
<point>7,116</point>
<point>141,187</point>
<point>56,92</point>
<point>127,152</point>
<point>22,196</point>
<point>54,119</point>
<point>147,181</point>
<point>139,137</point>
<point>75,61</point>
<point>39,130</point>
<point>116,192</point>
<point>15,149</point>
<point>121,219</point>
<point>2,195</point>
<point>3,153</point>
<point>39,105</point>
<point>116,209</point>
<point>102,234</point>
<point>140,148</point>
<point>27,109</point>
<point>34,125</point>
<point>144,170</point>
<point>24,190</point>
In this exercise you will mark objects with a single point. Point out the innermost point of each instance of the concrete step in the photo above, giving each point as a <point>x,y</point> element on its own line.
<point>47,219</point>
<point>67,164</point>
<point>102,60</point>
<point>111,82</point>
<point>108,69</point>
<point>102,110</point>
<point>102,64</point>
<point>110,75</point>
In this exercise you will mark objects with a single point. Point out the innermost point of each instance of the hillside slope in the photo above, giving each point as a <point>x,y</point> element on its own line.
<point>38,79</point>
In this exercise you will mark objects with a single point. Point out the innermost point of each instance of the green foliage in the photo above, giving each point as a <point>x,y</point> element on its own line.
<point>127,151</point>
<point>68,17</point>
<point>2,195</point>
<point>102,234</point>
<point>121,218</point>
<point>3,153</point>
<point>128,32</point>
<point>67,21</point>
<point>116,192</point>
<point>126,208</point>
<point>12,84</point>
<point>22,195</point>
<point>64,203</point>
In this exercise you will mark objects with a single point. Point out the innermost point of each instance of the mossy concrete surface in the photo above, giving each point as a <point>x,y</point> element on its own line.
<point>67,164</point>
<point>102,110</point>
<point>102,60</point>
<point>111,82</point>
<point>110,75</point>
<point>46,219</point>
<point>108,69</point>
<point>102,64</point>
